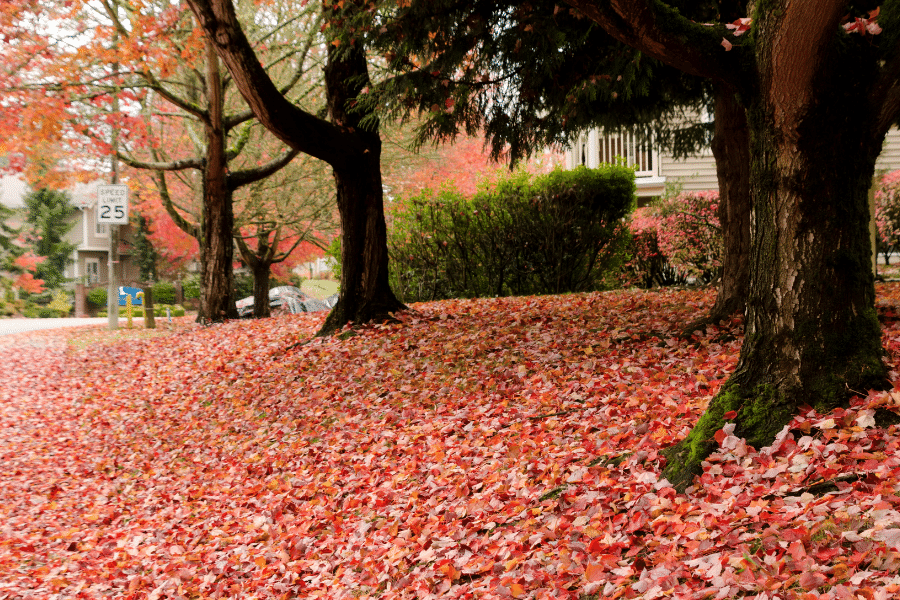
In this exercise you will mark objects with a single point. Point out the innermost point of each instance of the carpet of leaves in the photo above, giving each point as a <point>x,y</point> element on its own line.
<point>503,448</point>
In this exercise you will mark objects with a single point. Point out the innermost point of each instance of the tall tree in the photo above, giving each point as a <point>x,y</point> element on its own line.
<point>281,220</point>
<point>351,146</point>
<point>819,82</point>
<point>48,215</point>
<point>197,89</point>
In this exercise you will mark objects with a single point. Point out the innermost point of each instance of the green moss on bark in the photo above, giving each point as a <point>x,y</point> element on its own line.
<point>847,363</point>
<point>761,414</point>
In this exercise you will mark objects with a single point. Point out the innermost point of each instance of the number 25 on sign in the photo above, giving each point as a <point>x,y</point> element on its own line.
<point>112,204</point>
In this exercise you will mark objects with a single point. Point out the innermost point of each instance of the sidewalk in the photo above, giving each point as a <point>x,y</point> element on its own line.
<point>9,326</point>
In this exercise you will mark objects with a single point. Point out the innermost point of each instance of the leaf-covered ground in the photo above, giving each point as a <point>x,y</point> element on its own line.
<point>480,449</point>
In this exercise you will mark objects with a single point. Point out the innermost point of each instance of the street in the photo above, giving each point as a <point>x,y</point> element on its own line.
<point>8,326</point>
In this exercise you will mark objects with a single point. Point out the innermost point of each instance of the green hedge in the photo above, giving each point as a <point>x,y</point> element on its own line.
<point>97,297</point>
<point>548,234</point>
<point>164,293</point>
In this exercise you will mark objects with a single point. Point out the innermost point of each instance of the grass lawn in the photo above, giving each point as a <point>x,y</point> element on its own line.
<point>498,448</point>
<point>319,288</point>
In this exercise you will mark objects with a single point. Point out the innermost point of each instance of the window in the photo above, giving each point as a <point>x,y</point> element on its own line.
<point>92,270</point>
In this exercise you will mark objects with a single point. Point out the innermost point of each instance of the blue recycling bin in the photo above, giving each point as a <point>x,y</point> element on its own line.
<point>133,292</point>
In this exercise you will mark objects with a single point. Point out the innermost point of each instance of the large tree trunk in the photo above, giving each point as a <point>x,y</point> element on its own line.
<point>731,149</point>
<point>217,221</point>
<point>365,293</point>
<point>812,335</point>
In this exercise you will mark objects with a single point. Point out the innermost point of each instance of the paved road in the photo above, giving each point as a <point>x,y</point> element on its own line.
<point>8,326</point>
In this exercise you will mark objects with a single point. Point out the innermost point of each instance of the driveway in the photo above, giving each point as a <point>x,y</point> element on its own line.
<point>8,326</point>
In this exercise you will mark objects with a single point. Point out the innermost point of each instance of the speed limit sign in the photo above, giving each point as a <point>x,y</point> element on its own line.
<point>112,204</point>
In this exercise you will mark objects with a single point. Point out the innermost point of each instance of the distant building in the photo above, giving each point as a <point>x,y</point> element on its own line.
<point>90,259</point>
<point>88,267</point>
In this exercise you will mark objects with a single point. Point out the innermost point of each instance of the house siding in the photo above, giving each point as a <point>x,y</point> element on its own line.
<point>698,173</point>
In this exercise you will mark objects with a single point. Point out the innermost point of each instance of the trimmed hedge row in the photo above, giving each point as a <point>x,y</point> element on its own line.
<point>547,234</point>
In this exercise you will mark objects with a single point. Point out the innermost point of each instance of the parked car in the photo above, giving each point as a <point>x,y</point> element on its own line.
<point>284,298</point>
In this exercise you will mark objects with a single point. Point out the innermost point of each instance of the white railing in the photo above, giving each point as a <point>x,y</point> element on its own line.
<point>626,146</point>
<point>597,148</point>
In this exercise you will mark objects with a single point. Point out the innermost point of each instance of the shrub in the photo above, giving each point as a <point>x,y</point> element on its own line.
<point>648,266</point>
<point>159,310</point>
<point>45,312</point>
<point>42,298</point>
<point>549,234</point>
<point>334,253</point>
<point>164,293</point>
<point>887,215</point>
<point>676,240</point>
<point>243,285</point>
<point>190,287</point>
<point>97,297</point>
<point>61,303</point>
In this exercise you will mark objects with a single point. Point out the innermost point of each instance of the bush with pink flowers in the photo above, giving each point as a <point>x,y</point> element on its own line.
<point>677,240</point>
<point>887,215</point>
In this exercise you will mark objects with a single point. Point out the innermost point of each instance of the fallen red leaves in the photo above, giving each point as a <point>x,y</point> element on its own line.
<point>503,448</point>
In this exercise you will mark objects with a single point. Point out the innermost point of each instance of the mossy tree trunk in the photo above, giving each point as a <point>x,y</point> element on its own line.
<point>819,98</point>
<point>812,335</point>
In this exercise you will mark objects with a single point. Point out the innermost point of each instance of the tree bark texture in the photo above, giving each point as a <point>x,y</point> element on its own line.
<point>812,335</point>
<point>261,271</point>
<point>217,221</point>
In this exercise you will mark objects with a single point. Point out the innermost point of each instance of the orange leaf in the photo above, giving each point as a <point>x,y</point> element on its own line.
<point>594,572</point>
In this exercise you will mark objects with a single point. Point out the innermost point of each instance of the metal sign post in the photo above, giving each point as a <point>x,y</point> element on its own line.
<point>112,209</point>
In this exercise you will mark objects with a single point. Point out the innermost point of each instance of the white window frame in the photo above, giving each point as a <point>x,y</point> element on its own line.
<point>92,270</point>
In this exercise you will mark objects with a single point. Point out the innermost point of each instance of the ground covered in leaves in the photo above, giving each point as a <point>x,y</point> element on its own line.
<point>504,448</point>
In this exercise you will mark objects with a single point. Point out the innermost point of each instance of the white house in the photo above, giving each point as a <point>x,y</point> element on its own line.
<point>89,264</point>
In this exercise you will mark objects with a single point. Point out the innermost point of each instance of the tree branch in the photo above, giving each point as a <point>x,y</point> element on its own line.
<point>294,126</point>
<point>183,224</point>
<point>175,165</point>
<point>661,32</point>
<point>244,177</point>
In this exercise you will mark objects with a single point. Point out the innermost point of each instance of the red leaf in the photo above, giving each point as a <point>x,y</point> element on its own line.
<point>730,414</point>
<point>810,580</point>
